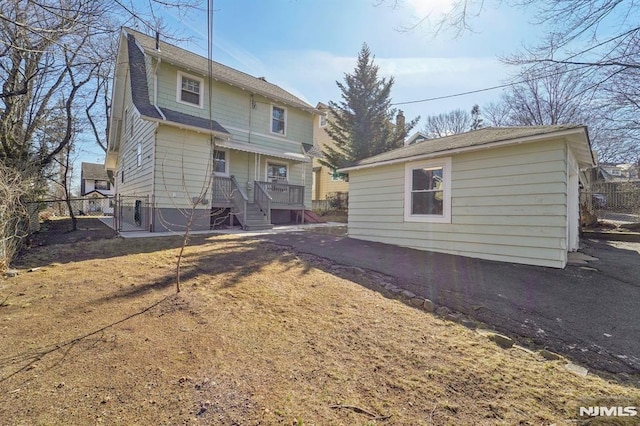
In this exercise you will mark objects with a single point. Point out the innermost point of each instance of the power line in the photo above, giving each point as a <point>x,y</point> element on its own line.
<point>486,89</point>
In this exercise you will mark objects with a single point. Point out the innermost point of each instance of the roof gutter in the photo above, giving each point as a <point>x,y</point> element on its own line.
<point>310,109</point>
<point>220,135</point>
<point>517,141</point>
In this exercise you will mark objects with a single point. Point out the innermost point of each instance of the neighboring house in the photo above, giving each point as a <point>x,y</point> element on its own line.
<point>96,189</point>
<point>243,158</point>
<point>415,138</point>
<point>508,194</point>
<point>618,172</point>
<point>325,180</point>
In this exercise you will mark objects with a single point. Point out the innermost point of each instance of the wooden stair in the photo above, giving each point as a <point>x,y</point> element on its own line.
<point>255,219</point>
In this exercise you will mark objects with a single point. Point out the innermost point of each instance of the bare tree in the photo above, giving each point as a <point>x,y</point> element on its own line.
<point>599,39</point>
<point>14,214</point>
<point>496,113</point>
<point>448,123</point>
<point>560,97</point>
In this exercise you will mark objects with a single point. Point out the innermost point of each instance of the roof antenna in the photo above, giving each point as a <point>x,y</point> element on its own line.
<point>157,40</point>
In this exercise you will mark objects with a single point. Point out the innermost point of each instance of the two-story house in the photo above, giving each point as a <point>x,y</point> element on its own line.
<point>96,189</point>
<point>188,134</point>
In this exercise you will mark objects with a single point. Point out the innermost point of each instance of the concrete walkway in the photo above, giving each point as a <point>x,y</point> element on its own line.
<point>588,311</point>
<point>231,230</point>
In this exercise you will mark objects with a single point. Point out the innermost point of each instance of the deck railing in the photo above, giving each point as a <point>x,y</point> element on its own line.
<point>227,190</point>
<point>262,199</point>
<point>222,189</point>
<point>283,194</point>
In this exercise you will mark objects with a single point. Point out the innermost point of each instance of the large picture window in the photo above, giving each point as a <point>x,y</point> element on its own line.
<point>277,172</point>
<point>278,120</point>
<point>428,191</point>
<point>190,89</point>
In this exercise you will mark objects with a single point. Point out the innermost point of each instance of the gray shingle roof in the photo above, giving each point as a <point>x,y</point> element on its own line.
<point>139,88</point>
<point>93,171</point>
<point>194,62</point>
<point>484,136</point>
<point>140,95</point>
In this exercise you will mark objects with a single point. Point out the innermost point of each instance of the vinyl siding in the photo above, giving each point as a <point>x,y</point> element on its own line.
<point>508,204</point>
<point>182,168</point>
<point>179,150</point>
<point>233,108</point>
<point>138,180</point>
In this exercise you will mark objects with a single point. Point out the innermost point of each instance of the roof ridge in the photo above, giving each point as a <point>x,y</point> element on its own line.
<point>263,80</point>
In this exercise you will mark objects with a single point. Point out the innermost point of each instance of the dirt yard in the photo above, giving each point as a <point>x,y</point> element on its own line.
<point>95,334</point>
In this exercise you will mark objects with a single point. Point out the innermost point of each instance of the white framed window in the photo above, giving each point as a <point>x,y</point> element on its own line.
<point>338,177</point>
<point>427,194</point>
<point>221,162</point>
<point>190,89</point>
<point>139,155</point>
<point>277,172</point>
<point>278,120</point>
<point>323,120</point>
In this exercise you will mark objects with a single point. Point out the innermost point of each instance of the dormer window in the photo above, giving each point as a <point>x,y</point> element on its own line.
<point>190,89</point>
<point>323,120</point>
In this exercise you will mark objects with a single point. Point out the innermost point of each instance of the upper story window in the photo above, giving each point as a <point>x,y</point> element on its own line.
<point>323,120</point>
<point>190,89</point>
<point>220,162</point>
<point>427,195</point>
<point>278,120</point>
<point>277,172</point>
<point>102,184</point>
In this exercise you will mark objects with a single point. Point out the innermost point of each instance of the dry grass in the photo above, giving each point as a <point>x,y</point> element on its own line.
<point>259,335</point>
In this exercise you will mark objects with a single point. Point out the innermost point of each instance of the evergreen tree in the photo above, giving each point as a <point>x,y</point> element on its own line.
<point>475,116</point>
<point>361,124</point>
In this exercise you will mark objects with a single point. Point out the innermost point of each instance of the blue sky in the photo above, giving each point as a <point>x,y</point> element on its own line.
<point>304,46</point>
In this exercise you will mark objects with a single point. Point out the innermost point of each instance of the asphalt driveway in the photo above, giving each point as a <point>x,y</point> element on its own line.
<point>590,313</point>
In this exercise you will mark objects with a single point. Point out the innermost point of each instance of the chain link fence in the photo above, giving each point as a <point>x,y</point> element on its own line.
<point>612,201</point>
<point>132,213</point>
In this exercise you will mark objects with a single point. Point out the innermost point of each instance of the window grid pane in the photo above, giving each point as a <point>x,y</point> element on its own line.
<point>190,91</point>
<point>278,120</point>
<point>427,191</point>
<point>219,162</point>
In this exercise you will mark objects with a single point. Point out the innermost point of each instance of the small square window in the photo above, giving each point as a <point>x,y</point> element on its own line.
<point>220,163</point>
<point>102,184</point>
<point>278,120</point>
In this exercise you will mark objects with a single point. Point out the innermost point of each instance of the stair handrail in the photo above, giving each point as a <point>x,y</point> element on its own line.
<point>262,199</point>
<point>239,199</point>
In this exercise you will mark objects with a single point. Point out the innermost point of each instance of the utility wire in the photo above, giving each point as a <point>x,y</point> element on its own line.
<point>502,86</point>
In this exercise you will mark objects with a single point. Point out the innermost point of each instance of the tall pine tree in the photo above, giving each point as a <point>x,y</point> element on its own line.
<point>361,124</point>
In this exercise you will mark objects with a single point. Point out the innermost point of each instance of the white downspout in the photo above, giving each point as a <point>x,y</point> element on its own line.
<point>155,88</point>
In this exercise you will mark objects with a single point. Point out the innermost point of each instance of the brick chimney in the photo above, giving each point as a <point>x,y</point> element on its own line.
<point>400,123</point>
